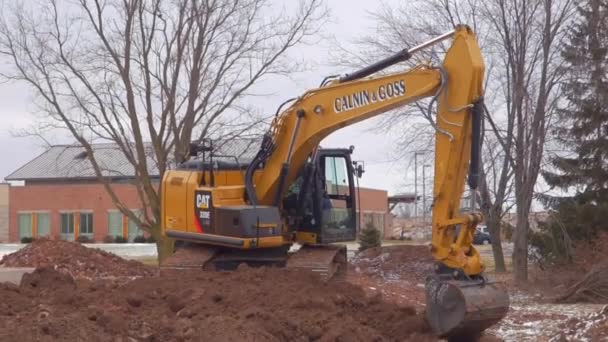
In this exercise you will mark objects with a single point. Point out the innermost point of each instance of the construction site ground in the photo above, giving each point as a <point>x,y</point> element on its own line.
<point>83,294</point>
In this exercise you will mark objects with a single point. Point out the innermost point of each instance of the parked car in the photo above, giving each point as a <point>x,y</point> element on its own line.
<point>481,238</point>
<point>483,228</point>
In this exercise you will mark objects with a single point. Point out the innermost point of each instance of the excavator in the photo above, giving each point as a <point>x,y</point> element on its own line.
<point>222,212</point>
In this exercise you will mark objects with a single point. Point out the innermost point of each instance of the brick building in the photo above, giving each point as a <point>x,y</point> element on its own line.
<point>4,212</point>
<point>374,208</point>
<point>57,195</point>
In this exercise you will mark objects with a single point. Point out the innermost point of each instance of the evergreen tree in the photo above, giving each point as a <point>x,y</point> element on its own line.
<point>369,237</point>
<point>582,129</point>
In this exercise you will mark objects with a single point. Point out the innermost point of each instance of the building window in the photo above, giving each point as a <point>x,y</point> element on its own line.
<point>24,222</point>
<point>43,224</point>
<point>115,223</point>
<point>85,225</point>
<point>67,226</point>
<point>133,228</point>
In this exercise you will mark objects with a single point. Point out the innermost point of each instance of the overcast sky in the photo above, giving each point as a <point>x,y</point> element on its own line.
<point>349,20</point>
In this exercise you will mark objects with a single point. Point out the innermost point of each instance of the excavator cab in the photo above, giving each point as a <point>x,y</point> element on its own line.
<point>322,198</point>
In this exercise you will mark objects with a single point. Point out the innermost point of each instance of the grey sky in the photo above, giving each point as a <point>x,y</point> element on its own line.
<point>349,20</point>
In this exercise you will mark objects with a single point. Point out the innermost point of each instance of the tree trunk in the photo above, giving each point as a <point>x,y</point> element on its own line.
<point>493,222</point>
<point>520,245</point>
<point>164,245</point>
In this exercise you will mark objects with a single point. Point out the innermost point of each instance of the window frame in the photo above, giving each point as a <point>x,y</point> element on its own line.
<point>90,223</point>
<point>69,235</point>
<point>139,232</point>
<point>48,214</point>
<point>31,228</point>
<point>334,185</point>
<point>120,227</point>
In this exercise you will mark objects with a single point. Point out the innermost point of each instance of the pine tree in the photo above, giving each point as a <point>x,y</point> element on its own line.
<point>369,237</point>
<point>582,129</point>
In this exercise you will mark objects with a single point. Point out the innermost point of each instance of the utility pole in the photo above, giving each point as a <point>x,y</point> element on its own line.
<point>416,153</point>
<point>424,194</point>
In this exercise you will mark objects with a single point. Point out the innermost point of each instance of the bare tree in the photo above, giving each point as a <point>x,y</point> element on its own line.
<point>529,34</point>
<point>520,40</point>
<point>149,75</point>
<point>496,187</point>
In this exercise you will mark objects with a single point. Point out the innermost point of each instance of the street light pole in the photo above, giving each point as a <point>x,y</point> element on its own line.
<point>415,186</point>
<point>416,153</point>
<point>424,194</point>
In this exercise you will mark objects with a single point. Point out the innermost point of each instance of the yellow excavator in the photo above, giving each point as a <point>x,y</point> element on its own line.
<point>222,213</point>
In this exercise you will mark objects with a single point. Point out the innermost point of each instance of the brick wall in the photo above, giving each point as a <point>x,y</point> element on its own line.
<point>4,188</point>
<point>374,208</point>
<point>57,198</point>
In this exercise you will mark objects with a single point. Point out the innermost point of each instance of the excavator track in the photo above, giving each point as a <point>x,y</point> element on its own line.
<point>328,261</point>
<point>189,257</point>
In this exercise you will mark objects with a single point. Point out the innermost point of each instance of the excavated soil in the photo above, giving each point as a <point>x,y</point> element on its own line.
<point>83,294</point>
<point>75,259</point>
<point>401,262</point>
<point>246,305</point>
<point>397,272</point>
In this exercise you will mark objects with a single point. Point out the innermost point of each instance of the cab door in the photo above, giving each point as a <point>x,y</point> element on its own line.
<point>335,196</point>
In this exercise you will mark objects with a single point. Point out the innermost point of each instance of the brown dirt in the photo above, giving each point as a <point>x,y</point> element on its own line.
<point>401,262</point>
<point>398,272</point>
<point>245,305</point>
<point>75,259</point>
<point>588,261</point>
<point>592,327</point>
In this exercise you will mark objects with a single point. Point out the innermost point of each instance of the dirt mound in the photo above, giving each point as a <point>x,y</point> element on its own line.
<point>245,305</point>
<point>397,272</point>
<point>74,259</point>
<point>402,262</point>
<point>582,279</point>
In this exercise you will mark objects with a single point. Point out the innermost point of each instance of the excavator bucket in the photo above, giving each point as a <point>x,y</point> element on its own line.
<point>462,309</point>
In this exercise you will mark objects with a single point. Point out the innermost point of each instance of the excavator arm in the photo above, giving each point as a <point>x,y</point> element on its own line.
<point>460,301</point>
<point>457,88</point>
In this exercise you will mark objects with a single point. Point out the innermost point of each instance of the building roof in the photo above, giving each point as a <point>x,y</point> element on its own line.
<point>71,162</point>
<point>408,197</point>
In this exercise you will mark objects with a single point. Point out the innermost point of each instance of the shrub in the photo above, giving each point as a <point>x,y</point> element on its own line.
<point>369,237</point>
<point>120,239</point>
<point>27,239</point>
<point>507,231</point>
<point>151,239</point>
<point>84,239</point>
<point>108,239</point>
<point>572,223</point>
<point>139,239</point>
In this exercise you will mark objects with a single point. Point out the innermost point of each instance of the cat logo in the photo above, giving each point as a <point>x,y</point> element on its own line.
<point>202,201</point>
<point>203,212</point>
